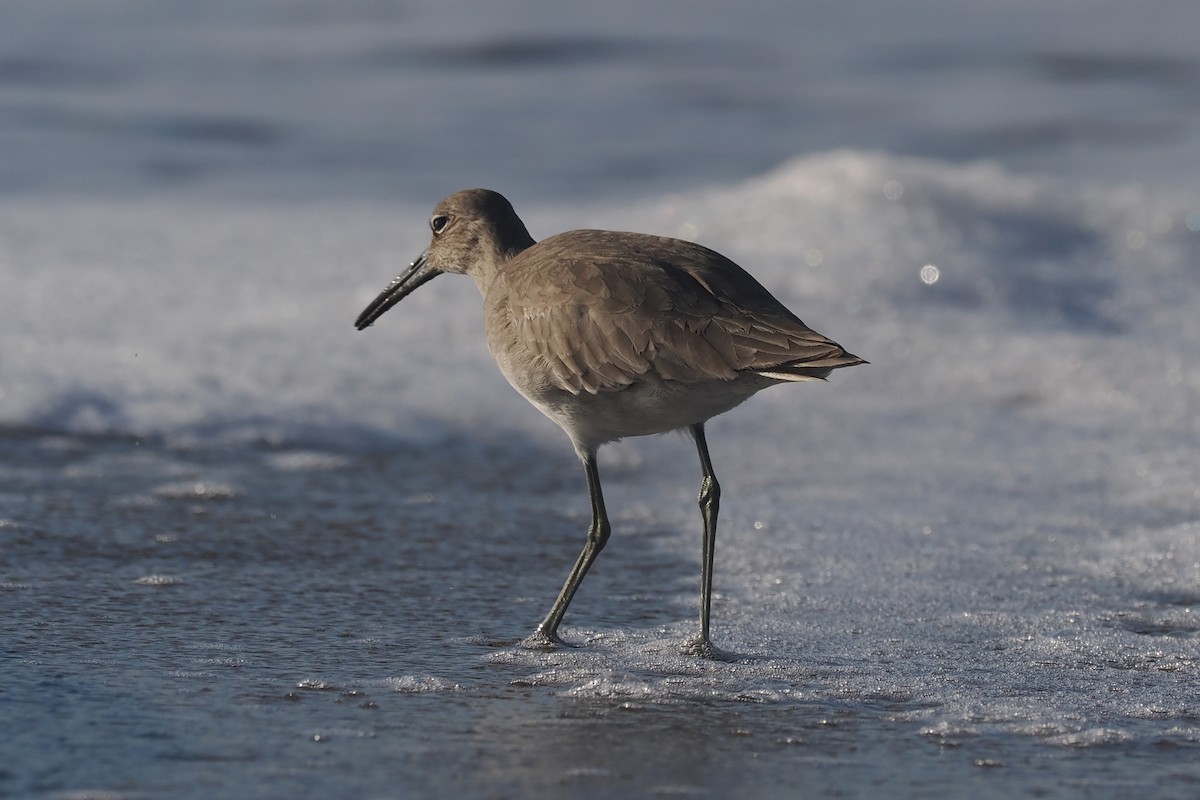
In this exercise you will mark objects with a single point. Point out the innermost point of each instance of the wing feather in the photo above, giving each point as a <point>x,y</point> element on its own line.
<point>599,313</point>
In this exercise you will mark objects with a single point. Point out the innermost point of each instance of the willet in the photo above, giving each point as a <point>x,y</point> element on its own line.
<point>617,334</point>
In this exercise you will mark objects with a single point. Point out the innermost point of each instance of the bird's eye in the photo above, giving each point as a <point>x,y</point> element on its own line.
<point>438,223</point>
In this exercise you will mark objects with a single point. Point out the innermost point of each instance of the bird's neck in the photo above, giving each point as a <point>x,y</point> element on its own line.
<point>486,272</point>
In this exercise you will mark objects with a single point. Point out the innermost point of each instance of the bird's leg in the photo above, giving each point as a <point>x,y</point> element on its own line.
<point>547,632</point>
<point>710,503</point>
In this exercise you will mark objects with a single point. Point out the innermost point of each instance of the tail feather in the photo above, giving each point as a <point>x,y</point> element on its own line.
<point>816,369</point>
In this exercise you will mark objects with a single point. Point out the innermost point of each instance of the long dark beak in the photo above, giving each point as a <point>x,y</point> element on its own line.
<point>419,272</point>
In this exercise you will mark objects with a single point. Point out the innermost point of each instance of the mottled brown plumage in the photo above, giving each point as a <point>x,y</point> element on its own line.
<point>617,334</point>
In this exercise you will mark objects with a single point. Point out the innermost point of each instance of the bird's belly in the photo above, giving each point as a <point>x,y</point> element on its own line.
<point>640,409</point>
<point>648,406</point>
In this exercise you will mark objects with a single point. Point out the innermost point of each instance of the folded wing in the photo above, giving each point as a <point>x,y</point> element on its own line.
<point>627,312</point>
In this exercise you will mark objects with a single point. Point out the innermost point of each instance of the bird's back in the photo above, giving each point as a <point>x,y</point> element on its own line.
<point>597,311</point>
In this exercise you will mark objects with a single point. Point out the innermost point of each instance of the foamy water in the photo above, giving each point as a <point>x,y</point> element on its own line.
<point>246,550</point>
<point>225,506</point>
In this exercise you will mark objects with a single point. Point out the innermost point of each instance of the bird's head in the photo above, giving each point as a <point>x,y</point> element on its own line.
<point>473,232</point>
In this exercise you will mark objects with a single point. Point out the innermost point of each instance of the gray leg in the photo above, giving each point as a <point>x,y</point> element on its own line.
<point>547,632</point>
<point>710,503</point>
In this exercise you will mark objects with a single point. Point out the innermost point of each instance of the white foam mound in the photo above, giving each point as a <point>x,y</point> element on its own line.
<point>183,319</point>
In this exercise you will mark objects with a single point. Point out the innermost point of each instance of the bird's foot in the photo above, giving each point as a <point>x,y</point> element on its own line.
<point>702,647</point>
<point>544,640</point>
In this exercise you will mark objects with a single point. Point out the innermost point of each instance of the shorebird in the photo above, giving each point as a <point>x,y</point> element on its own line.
<point>613,334</point>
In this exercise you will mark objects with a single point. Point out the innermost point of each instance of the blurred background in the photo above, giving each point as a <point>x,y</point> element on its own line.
<point>309,99</point>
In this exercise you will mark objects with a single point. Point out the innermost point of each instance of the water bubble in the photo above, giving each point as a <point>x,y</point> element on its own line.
<point>930,274</point>
<point>813,256</point>
<point>158,580</point>
<point>893,190</point>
